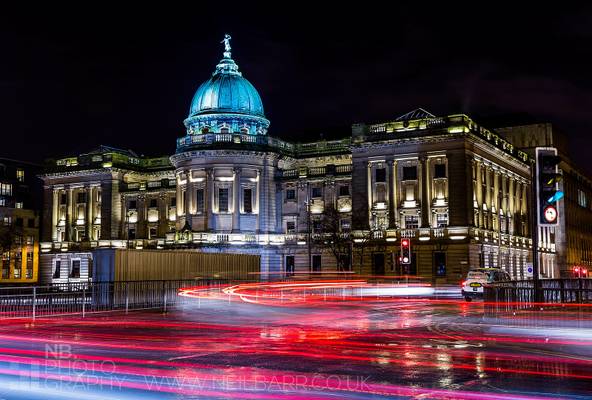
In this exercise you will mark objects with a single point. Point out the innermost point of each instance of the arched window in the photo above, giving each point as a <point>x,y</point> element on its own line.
<point>224,130</point>
<point>205,129</point>
<point>244,130</point>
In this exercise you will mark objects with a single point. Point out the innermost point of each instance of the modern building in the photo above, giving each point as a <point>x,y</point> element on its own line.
<point>571,240</point>
<point>457,190</point>
<point>19,221</point>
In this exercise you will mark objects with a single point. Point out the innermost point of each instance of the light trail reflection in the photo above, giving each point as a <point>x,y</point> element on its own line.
<point>273,341</point>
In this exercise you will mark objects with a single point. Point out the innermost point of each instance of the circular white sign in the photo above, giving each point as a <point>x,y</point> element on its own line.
<point>550,214</point>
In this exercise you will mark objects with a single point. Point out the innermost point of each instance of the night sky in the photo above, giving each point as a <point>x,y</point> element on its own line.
<point>72,79</point>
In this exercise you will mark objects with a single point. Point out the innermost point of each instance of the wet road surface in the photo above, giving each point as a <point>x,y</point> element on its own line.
<point>371,349</point>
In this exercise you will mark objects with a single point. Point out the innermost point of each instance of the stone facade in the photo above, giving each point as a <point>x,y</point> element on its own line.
<point>458,191</point>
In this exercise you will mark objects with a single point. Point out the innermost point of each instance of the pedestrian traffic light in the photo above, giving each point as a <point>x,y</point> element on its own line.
<point>405,251</point>
<point>547,178</point>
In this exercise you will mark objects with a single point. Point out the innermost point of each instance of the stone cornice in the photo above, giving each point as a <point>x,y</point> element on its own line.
<point>241,154</point>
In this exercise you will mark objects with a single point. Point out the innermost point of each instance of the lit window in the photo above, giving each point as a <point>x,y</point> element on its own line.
<point>153,232</point>
<point>582,198</point>
<point>6,189</point>
<point>2,201</point>
<point>7,221</point>
<point>345,225</point>
<point>18,204</point>
<point>442,220</point>
<point>20,175</point>
<point>411,222</point>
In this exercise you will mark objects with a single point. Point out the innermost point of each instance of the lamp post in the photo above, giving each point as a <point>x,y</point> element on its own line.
<point>309,233</point>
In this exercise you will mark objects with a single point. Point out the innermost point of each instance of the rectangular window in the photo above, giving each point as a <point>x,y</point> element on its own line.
<point>153,232</point>
<point>56,269</point>
<point>344,190</point>
<point>440,171</point>
<point>75,269</point>
<point>131,234</point>
<point>30,240</point>
<point>7,221</point>
<point>316,226</point>
<point>31,223</point>
<point>18,204</point>
<point>410,173</point>
<point>380,174</point>
<point>289,265</point>
<point>19,222</point>
<point>380,193</point>
<point>411,222</point>
<point>290,194</point>
<point>316,263</point>
<point>6,265</point>
<point>345,225</point>
<point>440,263</point>
<point>582,198</point>
<point>442,220</point>
<point>153,203</point>
<point>173,202</point>
<point>132,205</point>
<point>81,197</point>
<point>316,192</point>
<point>223,200</point>
<point>2,202</point>
<point>290,227</point>
<point>6,189</point>
<point>248,200</point>
<point>199,198</point>
<point>20,175</point>
<point>29,270</point>
<point>18,265</point>
<point>63,198</point>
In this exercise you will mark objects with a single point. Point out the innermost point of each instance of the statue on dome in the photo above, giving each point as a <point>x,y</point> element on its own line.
<point>226,42</point>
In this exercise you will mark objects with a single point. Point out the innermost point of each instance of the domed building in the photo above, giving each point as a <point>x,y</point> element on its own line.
<point>331,205</point>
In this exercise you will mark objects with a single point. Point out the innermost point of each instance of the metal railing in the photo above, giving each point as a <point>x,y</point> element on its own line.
<point>81,298</point>
<point>559,291</point>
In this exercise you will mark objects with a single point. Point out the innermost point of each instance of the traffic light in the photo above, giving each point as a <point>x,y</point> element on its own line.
<point>548,193</point>
<point>405,251</point>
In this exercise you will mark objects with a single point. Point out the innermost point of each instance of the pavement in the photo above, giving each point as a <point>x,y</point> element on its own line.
<point>438,347</point>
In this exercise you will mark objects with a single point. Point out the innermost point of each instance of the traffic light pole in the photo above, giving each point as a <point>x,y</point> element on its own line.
<point>534,229</point>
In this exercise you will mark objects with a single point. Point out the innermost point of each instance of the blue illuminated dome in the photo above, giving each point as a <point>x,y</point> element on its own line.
<point>226,103</point>
<point>227,92</point>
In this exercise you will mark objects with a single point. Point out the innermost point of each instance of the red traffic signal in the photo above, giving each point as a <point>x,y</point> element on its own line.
<point>405,251</point>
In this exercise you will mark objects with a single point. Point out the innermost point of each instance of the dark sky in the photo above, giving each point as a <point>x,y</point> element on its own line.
<point>74,78</point>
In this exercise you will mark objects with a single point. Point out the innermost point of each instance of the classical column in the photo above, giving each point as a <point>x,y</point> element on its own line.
<point>369,191</point>
<point>423,186</point>
<point>391,194</point>
<point>89,212</point>
<point>210,176</point>
<point>55,215</point>
<point>69,211</point>
<point>256,205</point>
<point>178,205</point>
<point>236,200</point>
